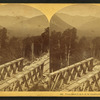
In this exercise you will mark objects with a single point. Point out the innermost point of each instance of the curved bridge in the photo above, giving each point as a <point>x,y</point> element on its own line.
<point>82,76</point>
<point>26,78</point>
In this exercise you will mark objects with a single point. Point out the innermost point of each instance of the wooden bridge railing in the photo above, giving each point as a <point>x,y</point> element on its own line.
<point>6,70</point>
<point>88,83</point>
<point>25,80</point>
<point>69,73</point>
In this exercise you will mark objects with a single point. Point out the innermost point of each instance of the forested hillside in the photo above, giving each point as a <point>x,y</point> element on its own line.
<point>14,47</point>
<point>66,48</point>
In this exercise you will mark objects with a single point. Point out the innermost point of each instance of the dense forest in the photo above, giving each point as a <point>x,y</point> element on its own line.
<point>14,47</point>
<point>67,48</point>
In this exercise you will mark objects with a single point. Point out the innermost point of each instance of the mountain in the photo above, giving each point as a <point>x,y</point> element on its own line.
<point>82,10</point>
<point>76,20</point>
<point>21,26</point>
<point>91,28</point>
<point>86,25</point>
<point>58,24</point>
<point>31,27</point>
<point>8,21</point>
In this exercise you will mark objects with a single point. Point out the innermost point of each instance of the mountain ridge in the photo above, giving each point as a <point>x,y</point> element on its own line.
<point>91,28</point>
<point>58,24</point>
<point>22,26</point>
<point>75,20</point>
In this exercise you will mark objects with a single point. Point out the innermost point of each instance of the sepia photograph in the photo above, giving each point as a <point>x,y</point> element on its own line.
<point>24,47</point>
<point>74,48</point>
<point>55,49</point>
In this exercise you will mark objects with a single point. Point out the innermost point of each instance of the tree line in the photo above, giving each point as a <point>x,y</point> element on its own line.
<point>15,47</point>
<point>67,48</point>
<point>41,44</point>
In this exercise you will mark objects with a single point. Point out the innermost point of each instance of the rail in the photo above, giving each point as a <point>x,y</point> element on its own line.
<point>10,68</point>
<point>69,73</point>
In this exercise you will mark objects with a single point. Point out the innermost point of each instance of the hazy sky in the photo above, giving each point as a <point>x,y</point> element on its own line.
<point>82,9</point>
<point>19,10</point>
<point>28,10</point>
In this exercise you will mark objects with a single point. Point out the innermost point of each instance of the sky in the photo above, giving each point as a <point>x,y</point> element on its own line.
<point>31,9</point>
<point>19,10</point>
<point>82,10</point>
<point>48,9</point>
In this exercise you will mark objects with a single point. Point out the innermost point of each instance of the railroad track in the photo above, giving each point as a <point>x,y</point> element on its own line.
<point>38,62</point>
<point>44,59</point>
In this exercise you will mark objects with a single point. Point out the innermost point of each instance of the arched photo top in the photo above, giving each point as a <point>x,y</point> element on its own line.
<point>23,32</point>
<point>80,16</point>
<point>22,20</point>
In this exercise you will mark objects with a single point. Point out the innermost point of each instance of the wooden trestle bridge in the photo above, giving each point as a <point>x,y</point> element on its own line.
<point>82,76</point>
